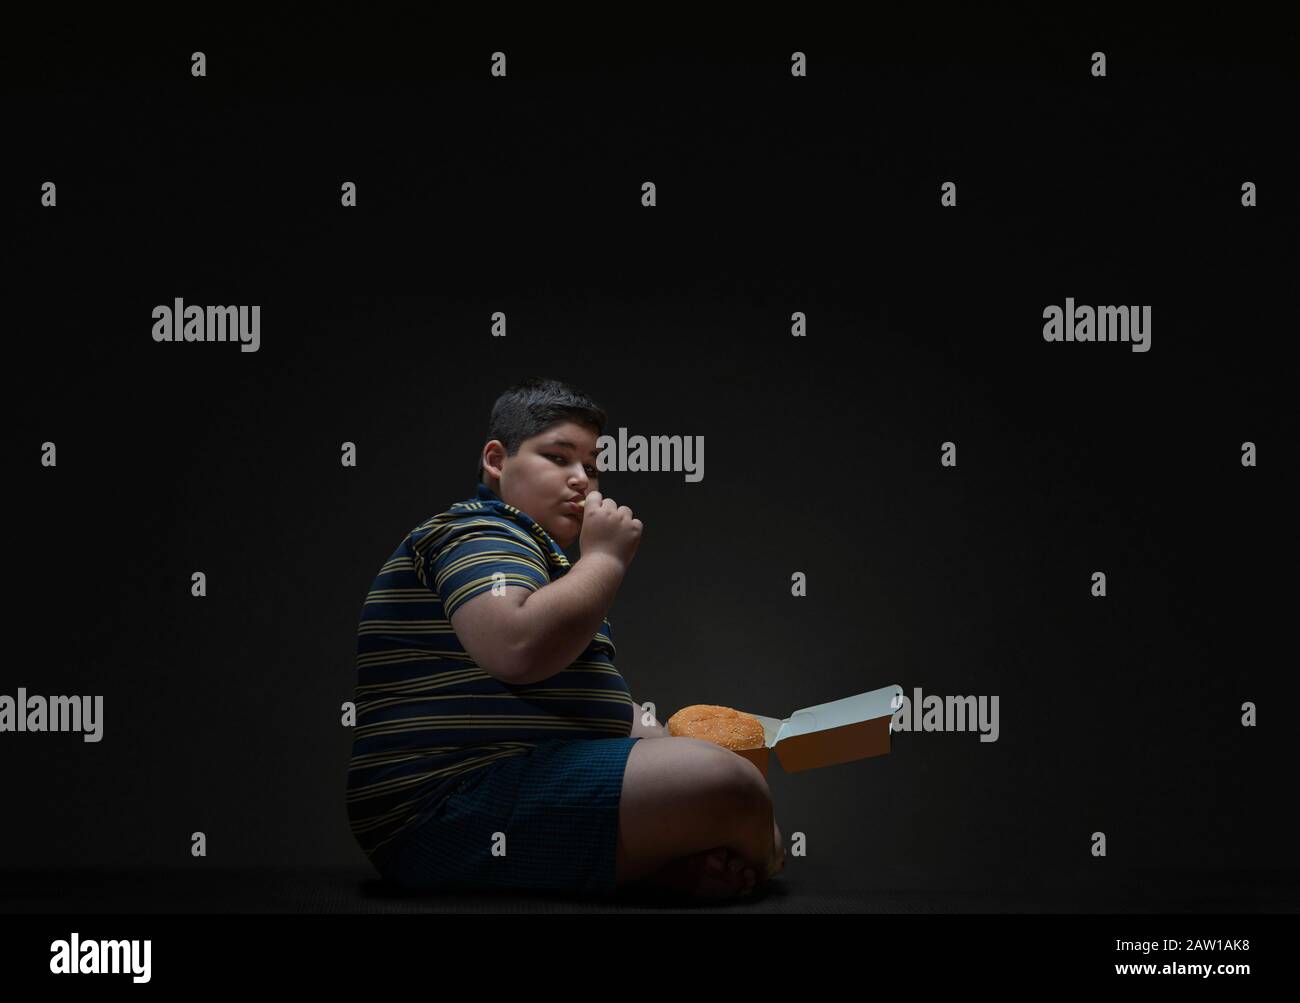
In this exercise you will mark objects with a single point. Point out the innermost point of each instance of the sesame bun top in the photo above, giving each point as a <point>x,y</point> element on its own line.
<point>731,729</point>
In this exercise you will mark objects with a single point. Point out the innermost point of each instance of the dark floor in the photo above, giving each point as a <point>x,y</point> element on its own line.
<point>803,888</point>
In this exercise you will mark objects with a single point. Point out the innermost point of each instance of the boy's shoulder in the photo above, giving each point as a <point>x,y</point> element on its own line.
<point>475,517</point>
<point>461,518</point>
<point>482,516</point>
<point>484,504</point>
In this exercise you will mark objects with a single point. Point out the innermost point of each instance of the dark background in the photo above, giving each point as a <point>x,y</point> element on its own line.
<point>776,194</point>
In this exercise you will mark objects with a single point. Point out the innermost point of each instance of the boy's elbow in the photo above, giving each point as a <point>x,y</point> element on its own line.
<point>502,672</point>
<point>518,666</point>
<point>506,666</point>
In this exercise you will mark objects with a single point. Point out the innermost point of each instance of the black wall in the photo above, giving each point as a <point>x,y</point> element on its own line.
<point>1118,714</point>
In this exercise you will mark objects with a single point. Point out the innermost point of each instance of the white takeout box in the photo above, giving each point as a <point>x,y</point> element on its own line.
<point>856,727</point>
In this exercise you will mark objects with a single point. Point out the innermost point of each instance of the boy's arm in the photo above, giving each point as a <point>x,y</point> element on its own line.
<point>641,730</point>
<point>554,624</point>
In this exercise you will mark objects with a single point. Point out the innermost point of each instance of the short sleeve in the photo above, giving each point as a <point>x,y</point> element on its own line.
<point>476,556</point>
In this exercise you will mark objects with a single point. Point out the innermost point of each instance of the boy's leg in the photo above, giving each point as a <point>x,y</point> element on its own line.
<point>684,797</point>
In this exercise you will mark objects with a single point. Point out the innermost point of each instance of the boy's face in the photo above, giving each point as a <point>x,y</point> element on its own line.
<point>548,471</point>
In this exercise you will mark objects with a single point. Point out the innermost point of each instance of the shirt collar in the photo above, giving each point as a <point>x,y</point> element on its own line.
<point>484,494</point>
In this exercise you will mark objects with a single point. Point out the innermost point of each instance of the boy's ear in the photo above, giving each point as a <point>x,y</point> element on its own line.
<point>494,453</point>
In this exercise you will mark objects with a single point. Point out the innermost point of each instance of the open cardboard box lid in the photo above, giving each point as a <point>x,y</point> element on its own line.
<point>856,727</point>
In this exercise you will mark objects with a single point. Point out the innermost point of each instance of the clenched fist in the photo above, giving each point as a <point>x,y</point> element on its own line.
<point>609,528</point>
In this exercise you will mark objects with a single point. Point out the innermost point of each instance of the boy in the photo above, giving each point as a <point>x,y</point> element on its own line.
<point>496,744</point>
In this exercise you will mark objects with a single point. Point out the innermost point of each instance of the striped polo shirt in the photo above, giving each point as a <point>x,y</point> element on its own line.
<point>426,714</point>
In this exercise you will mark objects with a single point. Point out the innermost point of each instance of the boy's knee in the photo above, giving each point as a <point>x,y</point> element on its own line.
<point>736,783</point>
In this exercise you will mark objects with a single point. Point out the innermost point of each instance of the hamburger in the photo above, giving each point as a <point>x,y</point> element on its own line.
<point>732,729</point>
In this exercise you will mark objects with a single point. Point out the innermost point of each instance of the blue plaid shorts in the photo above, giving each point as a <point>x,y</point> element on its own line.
<point>556,806</point>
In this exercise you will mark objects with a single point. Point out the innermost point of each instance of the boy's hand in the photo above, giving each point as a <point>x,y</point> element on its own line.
<point>609,528</point>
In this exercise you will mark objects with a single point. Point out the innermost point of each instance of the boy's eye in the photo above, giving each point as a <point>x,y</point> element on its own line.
<point>591,471</point>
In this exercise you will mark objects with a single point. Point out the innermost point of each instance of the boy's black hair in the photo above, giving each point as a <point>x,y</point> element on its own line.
<point>532,406</point>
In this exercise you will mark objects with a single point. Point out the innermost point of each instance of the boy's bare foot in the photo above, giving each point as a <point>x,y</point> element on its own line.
<point>712,874</point>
